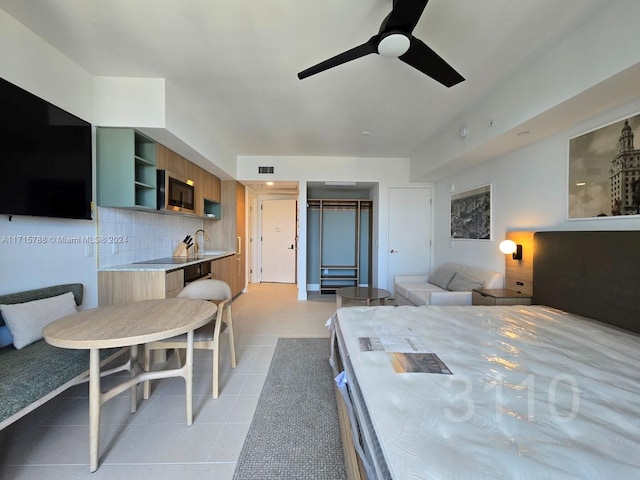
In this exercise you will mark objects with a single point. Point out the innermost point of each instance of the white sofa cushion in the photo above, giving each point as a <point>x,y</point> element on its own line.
<point>420,297</point>
<point>418,290</point>
<point>404,288</point>
<point>446,297</point>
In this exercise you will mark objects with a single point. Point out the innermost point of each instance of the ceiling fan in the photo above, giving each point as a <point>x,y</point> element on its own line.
<point>394,40</point>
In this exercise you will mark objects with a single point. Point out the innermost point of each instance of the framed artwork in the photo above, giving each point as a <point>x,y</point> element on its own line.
<point>604,171</point>
<point>471,214</point>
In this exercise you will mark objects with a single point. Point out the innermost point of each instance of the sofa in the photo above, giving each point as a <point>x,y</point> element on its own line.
<point>449,284</point>
<point>32,371</point>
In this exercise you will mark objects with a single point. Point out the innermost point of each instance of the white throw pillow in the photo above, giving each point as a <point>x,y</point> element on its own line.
<point>26,320</point>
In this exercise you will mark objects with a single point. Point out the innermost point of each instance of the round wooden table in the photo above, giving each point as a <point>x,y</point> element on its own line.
<point>367,294</point>
<point>130,325</point>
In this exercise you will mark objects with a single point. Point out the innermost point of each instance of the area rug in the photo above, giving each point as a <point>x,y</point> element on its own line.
<point>295,433</point>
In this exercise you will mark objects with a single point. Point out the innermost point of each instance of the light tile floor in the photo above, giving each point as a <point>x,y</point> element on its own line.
<point>155,443</point>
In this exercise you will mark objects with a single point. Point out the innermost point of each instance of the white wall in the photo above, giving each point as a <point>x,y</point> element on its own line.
<point>161,111</point>
<point>530,192</point>
<point>31,63</point>
<point>542,93</point>
<point>129,102</point>
<point>34,65</point>
<point>382,173</point>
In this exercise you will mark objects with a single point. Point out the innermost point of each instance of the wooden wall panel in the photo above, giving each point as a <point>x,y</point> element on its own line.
<point>519,273</point>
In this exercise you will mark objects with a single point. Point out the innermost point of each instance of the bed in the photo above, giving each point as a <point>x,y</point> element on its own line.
<point>512,392</point>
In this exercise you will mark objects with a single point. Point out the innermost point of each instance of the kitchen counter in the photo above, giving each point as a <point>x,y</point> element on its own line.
<point>166,267</point>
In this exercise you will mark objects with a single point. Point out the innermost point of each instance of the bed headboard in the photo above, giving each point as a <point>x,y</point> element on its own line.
<point>594,274</point>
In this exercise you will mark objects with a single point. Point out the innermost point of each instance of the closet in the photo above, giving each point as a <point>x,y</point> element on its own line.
<point>339,248</point>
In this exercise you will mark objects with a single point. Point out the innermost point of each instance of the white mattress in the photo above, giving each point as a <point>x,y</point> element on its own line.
<point>534,393</point>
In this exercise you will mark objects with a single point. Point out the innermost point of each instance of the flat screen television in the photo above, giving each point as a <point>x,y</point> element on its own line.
<point>45,157</point>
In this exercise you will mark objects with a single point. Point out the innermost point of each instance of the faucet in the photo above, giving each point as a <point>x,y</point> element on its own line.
<point>196,247</point>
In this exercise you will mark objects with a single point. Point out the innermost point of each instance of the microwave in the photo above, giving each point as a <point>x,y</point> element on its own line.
<point>175,193</point>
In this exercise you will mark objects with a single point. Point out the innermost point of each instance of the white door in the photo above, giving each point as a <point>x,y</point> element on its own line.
<point>409,232</point>
<point>278,252</point>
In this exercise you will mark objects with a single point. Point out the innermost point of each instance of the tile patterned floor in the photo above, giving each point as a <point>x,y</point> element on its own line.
<point>155,443</point>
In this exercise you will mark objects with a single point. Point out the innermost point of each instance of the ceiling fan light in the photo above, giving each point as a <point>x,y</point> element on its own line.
<point>394,45</point>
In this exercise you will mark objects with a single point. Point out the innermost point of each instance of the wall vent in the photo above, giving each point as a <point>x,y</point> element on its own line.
<point>265,170</point>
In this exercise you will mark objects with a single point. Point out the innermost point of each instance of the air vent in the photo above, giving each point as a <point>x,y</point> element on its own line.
<point>265,170</point>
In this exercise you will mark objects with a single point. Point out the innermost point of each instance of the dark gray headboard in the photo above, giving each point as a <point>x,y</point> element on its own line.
<point>594,274</point>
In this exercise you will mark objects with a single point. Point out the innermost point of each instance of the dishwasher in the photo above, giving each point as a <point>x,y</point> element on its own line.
<point>196,272</point>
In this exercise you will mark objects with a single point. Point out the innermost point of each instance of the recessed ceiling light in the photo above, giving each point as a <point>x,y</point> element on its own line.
<point>365,133</point>
<point>581,184</point>
<point>523,133</point>
<point>270,184</point>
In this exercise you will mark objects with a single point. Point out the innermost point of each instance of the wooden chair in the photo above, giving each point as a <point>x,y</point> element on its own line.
<point>207,337</point>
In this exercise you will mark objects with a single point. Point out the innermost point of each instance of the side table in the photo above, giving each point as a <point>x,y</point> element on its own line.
<point>367,294</point>
<point>499,296</point>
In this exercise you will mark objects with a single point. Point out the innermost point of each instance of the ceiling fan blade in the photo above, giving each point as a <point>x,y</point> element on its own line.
<point>404,16</point>
<point>420,56</point>
<point>366,48</point>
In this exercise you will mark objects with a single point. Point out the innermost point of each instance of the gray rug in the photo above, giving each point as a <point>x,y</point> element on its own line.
<point>294,433</point>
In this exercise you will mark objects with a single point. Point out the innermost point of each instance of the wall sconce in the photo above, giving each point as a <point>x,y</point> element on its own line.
<point>509,246</point>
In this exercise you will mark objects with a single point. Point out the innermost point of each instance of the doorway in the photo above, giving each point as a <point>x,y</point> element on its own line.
<point>409,210</point>
<point>279,238</point>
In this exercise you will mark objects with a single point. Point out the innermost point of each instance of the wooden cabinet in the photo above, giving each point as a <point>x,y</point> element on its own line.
<point>172,162</point>
<point>240,239</point>
<point>212,195</point>
<point>210,187</point>
<point>207,185</point>
<point>173,283</point>
<point>499,296</point>
<point>126,169</point>
<point>118,287</point>
<point>229,232</point>
<point>224,269</point>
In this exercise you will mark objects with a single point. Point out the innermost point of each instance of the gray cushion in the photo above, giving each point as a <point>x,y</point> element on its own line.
<point>462,283</point>
<point>29,374</point>
<point>441,277</point>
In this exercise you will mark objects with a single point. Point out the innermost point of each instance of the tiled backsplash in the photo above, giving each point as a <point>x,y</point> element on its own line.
<point>128,236</point>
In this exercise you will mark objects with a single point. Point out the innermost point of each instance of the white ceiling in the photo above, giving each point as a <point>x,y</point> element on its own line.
<point>237,62</point>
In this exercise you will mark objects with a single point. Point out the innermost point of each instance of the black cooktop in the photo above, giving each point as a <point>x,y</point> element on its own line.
<point>167,261</point>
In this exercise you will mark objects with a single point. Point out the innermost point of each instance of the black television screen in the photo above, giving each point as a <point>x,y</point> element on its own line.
<point>45,157</point>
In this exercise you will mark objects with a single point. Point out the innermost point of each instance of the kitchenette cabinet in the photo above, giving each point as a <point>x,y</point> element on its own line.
<point>118,287</point>
<point>207,185</point>
<point>230,233</point>
<point>225,269</point>
<point>126,169</point>
<point>161,278</point>
<point>241,238</point>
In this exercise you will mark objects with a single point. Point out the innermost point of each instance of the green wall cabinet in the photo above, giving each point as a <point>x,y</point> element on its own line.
<point>126,169</point>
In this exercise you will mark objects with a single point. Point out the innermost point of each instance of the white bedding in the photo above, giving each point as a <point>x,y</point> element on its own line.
<point>534,393</point>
